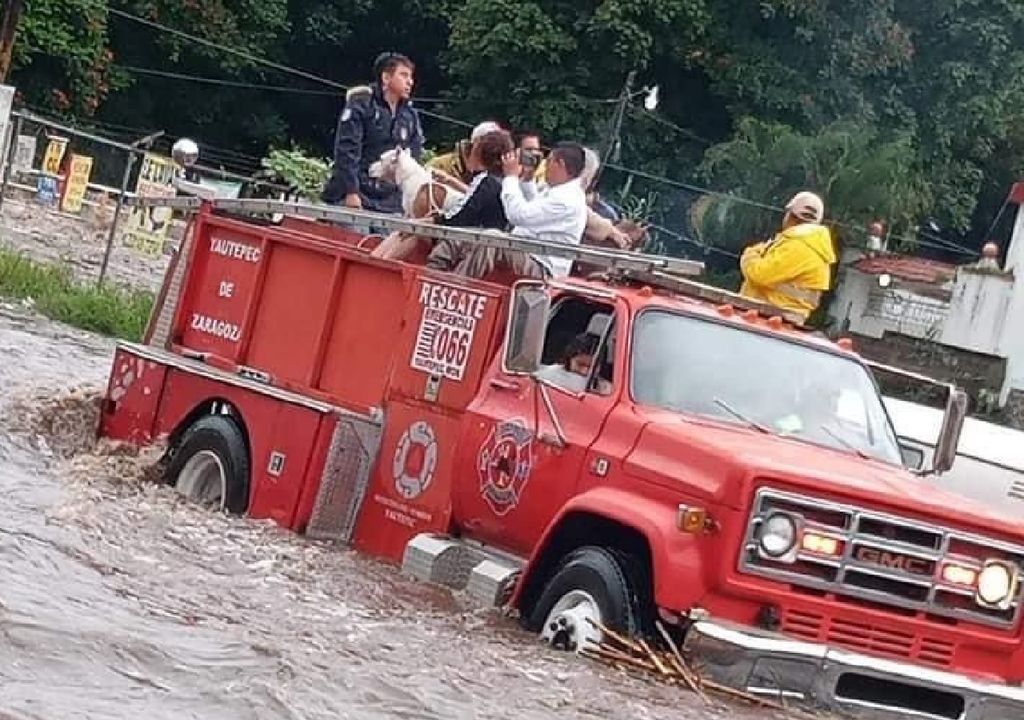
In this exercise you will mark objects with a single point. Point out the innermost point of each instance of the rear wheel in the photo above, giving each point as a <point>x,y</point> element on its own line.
<point>210,465</point>
<point>591,589</point>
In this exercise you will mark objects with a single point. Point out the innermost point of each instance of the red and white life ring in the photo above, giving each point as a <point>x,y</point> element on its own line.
<point>410,486</point>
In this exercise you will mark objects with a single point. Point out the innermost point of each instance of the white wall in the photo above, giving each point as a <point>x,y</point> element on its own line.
<point>1012,344</point>
<point>978,312</point>
<point>872,311</point>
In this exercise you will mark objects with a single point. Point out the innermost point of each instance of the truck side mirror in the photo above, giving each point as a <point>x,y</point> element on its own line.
<point>949,435</point>
<point>527,322</point>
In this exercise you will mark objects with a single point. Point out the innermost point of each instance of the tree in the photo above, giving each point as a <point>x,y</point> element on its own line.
<point>61,56</point>
<point>942,73</point>
<point>863,175</point>
<point>554,65</point>
<point>235,118</point>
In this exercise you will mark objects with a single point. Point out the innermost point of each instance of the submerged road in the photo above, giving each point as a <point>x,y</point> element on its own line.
<point>118,600</point>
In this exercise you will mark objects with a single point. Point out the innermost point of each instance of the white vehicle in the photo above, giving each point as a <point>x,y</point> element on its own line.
<point>989,465</point>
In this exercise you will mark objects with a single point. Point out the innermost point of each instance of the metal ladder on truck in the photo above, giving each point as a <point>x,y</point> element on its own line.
<point>670,274</point>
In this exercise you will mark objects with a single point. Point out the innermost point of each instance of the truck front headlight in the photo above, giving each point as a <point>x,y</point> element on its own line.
<point>778,536</point>
<point>997,584</point>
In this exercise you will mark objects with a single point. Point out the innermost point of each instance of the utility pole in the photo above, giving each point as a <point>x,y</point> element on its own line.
<point>8,31</point>
<point>615,127</point>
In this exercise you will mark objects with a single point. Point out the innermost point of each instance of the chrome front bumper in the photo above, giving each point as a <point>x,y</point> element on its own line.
<point>802,673</point>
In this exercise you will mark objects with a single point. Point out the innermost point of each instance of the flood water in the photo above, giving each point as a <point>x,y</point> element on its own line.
<point>118,600</point>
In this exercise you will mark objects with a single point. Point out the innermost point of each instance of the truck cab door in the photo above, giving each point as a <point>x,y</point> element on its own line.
<point>527,436</point>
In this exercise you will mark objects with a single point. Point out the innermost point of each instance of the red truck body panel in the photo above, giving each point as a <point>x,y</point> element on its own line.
<point>153,400</point>
<point>291,326</point>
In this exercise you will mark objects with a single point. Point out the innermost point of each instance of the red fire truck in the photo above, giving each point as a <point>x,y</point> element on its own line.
<point>625,448</point>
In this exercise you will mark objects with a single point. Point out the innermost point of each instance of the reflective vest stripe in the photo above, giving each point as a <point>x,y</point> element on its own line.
<point>811,297</point>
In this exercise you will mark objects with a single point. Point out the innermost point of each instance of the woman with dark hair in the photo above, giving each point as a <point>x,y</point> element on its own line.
<point>481,207</point>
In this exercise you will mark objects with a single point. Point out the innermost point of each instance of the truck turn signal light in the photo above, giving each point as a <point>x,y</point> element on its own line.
<point>959,575</point>
<point>819,544</point>
<point>692,520</point>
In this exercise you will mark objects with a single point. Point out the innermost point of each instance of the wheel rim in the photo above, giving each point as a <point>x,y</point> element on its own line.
<point>571,623</point>
<point>203,480</point>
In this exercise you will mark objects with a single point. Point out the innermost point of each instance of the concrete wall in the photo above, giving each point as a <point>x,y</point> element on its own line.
<point>979,311</point>
<point>864,308</point>
<point>970,370</point>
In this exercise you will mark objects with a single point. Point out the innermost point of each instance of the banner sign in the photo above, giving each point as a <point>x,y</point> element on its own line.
<point>25,153</point>
<point>54,156</point>
<point>79,171</point>
<point>148,227</point>
<point>48,185</point>
<point>6,102</point>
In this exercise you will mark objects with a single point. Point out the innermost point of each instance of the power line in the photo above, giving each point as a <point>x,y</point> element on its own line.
<point>257,60</point>
<point>224,156</point>
<point>706,247</point>
<point>695,188</point>
<point>952,245</point>
<point>226,83</point>
<point>944,245</point>
<point>647,114</point>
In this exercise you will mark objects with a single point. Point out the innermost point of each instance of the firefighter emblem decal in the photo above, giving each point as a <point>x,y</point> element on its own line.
<point>415,460</point>
<point>504,465</point>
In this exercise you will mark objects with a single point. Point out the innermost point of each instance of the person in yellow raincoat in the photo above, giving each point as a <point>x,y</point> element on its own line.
<point>793,269</point>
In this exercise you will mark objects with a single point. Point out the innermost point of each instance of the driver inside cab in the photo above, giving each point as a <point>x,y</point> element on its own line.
<point>822,415</point>
<point>574,371</point>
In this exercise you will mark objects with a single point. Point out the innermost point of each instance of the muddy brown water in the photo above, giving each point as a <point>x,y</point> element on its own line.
<point>118,600</point>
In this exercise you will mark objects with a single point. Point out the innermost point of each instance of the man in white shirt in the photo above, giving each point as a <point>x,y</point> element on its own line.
<point>558,214</point>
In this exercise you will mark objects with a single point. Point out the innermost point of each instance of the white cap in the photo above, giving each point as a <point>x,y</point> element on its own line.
<point>487,126</point>
<point>807,206</point>
<point>591,163</point>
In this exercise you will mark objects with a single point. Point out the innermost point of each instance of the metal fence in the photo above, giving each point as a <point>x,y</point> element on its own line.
<point>62,201</point>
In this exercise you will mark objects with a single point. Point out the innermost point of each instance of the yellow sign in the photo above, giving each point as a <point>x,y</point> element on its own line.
<point>55,150</point>
<point>78,182</point>
<point>147,227</point>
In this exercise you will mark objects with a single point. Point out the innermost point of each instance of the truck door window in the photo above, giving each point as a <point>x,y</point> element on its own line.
<point>579,347</point>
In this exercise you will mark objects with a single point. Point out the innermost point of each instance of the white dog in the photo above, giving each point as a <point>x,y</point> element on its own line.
<point>421,194</point>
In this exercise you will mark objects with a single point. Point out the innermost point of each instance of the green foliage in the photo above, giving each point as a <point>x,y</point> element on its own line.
<point>641,208</point>
<point>295,168</point>
<point>944,75</point>
<point>64,45</point>
<point>862,175</point>
<point>548,63</point>
<point>106,310</point>
<point>907,110</point>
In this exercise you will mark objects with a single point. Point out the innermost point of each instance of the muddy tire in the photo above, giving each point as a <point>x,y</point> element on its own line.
<point>592,583</point>
<point>210,465</point>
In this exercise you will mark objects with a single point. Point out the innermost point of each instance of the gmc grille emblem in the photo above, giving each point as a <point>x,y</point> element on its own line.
<point>893,561</point>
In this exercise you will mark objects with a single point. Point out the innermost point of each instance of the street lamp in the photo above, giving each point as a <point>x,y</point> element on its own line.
<point>185,152</point>
<point>651,99</point>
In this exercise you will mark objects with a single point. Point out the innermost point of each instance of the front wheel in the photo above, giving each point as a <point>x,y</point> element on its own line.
<point>591,589</point>
<point>211,465</point>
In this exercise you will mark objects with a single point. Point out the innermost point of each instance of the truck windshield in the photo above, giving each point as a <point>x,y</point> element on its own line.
<point>705,368</point>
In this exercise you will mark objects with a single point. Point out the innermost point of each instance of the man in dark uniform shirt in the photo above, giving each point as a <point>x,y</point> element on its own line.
<point>375,119</point>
